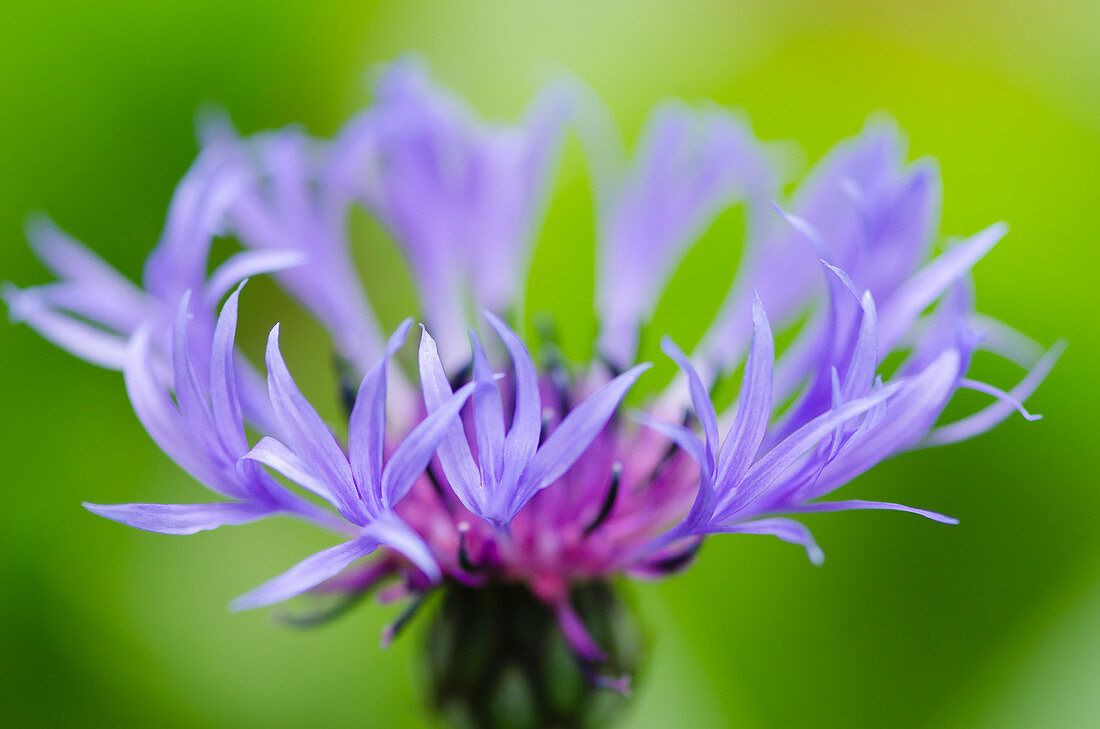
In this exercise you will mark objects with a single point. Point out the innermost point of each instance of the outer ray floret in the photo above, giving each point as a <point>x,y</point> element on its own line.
<point>741,492</point>
<point>362,488</point>
<point>202,430</point>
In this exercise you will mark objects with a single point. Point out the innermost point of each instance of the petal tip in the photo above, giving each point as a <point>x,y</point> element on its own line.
<point>97,509</point>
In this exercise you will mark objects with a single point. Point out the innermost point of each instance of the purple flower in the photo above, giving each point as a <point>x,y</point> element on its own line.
<point>512,484</point>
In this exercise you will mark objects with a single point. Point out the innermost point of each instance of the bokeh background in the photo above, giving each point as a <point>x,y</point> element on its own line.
<point>994,623</point>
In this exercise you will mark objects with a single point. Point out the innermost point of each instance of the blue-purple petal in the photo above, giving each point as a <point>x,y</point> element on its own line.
<point>307,574</point>
<point>367,423</point>
<point>415,452</point>
<point>754,405</point>
<point>308,436</point>
<point>454,451</point>
<point>181,519</point>
<point>572,437</point>
<point>523,437</point>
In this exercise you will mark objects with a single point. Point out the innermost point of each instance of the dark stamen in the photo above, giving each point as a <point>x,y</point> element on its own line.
<point>345,380</point>
<point>552,357</point>
<point>689,416</point>
<point>463,555</point>
<point>391,631</point>
<point>433,479</point>
<point>547,416</point>
<point>559,379</point>
<point>677,562</point>
<point>609,500</point>
<point>672,448</point>
<point>615,369</point>
<point>669,453</point>
<point>458,379</point>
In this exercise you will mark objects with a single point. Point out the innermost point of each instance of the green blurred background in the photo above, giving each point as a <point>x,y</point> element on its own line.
<point>994,623</point>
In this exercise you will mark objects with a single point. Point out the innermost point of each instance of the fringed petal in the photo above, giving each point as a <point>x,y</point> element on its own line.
<point>988,418</point>
<point>181,519</point>
<point>788,530</point>
<point>523,437</point>
<point>691,165</point>
<point>415,452</point>
<point>389,530</point>
<point>224,400</point>
<point>573,436</point>
<point>88,342</point>
<point>367,423</point>
<point>826,506</point>
<point>902,308</point>
<point>307,574</point>
<point>488,419</point>
<point>754,405</point>
<point>454,451</point>
<point>700,400</point>
<point>245,265</point>
<point>308,436</point>
<point>276,456</point>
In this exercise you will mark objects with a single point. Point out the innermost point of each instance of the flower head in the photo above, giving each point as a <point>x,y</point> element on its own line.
<point>511,470</point>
